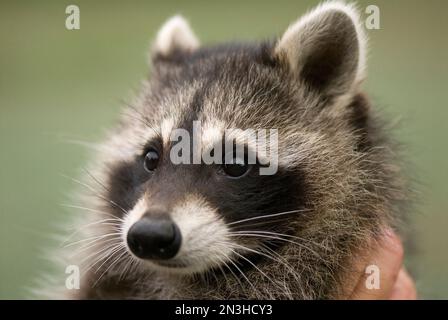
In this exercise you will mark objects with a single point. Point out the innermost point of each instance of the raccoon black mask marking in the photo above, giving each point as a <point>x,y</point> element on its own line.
<point>158,227</point>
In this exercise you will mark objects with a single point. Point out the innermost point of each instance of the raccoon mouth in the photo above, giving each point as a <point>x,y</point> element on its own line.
<point>170,264</point>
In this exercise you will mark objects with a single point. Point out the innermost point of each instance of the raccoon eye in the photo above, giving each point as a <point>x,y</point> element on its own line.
<point>237,169</point>
<point>151,160</point>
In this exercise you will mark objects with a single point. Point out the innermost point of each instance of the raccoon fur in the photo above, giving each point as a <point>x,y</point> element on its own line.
<point>208,235</point>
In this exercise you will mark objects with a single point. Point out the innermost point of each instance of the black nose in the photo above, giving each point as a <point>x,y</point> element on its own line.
<point>154,238</point>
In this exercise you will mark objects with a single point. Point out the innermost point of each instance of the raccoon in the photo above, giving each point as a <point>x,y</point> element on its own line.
<point>159,230</point>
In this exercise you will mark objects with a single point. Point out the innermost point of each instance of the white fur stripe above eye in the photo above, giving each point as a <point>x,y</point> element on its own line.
<point>212,133</point>
<point>166,128</point>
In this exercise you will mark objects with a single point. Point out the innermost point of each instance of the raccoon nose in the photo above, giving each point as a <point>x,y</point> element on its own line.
<point>154,238</point>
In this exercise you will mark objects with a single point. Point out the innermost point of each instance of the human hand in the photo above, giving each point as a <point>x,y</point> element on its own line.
<point>394,282</point>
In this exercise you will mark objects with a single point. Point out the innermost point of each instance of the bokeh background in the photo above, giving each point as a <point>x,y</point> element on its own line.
<point>58,85</point>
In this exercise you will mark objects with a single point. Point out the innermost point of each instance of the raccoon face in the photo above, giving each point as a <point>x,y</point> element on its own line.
<point>189,218</point>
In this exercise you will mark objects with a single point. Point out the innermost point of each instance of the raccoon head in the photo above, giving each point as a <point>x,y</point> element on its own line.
<point>189,218</point>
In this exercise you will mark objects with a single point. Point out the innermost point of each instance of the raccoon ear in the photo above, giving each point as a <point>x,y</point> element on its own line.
<point>325,49</point>
<point>174,36</point>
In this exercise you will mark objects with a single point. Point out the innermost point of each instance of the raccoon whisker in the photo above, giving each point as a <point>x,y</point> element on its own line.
<point>291,270</point>
<point>116,224</point>
<point>244,275</point>
<point>281,260</point>
<point>214,276</point>
<point>96,180</point>
<point>221,269</point>
<point>99,256</point>
<point>242,227</point>
<point>130,263</point>
<point>143,119</point>
<point>90,210</point>
<point>97,242</point>
<point>102,222</point>
<point>124,266</point>
<point>277,238</point>
<point>107,256</point>
<point>235,265</point>
<point>101,183</point>
<point>280,235</point>
<point>266,216</point>
<point>211,274</point>
<point>90,242</point>
<point>231,271</point>
<point>105,222</point>
<point>110,266</point>
<point>86,144</point>
<point>146,124</point>
<point>136,263</point>
<point>265,249</point>
<point>278,258</point>
<point>258,269</point>
<point>270,235</point>
<point>108,242</point>
<point>95,238</point>
<point>127,268</point>
<point>204,277</point>
<point>96,194</point>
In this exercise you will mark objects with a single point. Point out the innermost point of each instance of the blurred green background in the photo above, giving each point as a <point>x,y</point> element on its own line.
<point>57,85</point>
